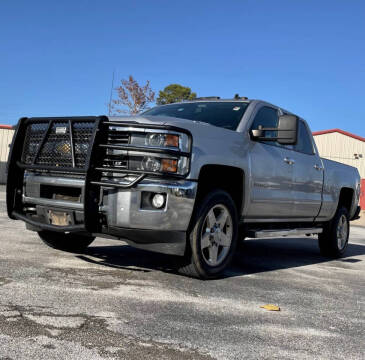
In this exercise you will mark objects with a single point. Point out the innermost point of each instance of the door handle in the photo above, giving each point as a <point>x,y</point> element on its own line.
<point>289,161</point>
<point>317,167</point>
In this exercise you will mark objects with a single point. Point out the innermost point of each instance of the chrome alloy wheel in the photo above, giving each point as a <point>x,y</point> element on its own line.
<point>342,232</point>
<point>216,235</point>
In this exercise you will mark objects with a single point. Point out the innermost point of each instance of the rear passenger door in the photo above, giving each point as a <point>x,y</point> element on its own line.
<point>308,176</point>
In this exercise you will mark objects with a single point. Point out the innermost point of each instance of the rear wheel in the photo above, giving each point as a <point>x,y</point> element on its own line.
<point>66,242</point>
<point>212,238</point>
<point>334,239</point>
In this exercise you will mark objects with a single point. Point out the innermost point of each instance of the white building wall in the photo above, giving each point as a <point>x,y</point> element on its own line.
<point>6,135</point>
<point>339,147</point>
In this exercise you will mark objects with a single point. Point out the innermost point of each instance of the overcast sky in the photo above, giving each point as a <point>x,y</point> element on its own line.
<point>308,56</point>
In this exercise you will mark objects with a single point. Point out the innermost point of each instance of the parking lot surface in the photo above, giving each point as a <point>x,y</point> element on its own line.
<point>116,302</point>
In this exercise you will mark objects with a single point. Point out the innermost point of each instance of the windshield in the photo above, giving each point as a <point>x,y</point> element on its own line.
<point>222,114</point>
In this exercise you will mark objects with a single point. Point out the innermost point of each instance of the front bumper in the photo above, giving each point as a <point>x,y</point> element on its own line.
<point>121,211</point>
<point>124,207</point>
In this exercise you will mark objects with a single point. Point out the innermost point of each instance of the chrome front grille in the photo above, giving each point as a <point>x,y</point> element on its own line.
<point>116,159</point>
<point>116,137</point>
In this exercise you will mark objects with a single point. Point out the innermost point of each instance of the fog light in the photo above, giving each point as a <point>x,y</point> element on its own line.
<point>158,201</point>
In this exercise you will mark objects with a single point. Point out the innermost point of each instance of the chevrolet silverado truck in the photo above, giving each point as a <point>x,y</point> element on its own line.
<point>188,179</point>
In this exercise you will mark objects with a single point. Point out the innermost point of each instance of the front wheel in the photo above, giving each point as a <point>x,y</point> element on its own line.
<point>212,238</point>
<point>334,239</point>
<point>66,242</point>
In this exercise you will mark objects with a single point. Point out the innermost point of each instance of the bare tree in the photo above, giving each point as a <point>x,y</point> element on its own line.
<point>133,96</point>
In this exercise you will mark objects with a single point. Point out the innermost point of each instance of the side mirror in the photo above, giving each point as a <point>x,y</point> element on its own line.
<point>287,131</point>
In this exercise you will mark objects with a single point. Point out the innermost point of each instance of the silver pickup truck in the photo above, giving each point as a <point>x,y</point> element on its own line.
<point>188,179</point>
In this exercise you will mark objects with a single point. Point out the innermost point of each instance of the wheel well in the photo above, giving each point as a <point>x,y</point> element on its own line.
<point>227,178</point>
<point>346,196</point>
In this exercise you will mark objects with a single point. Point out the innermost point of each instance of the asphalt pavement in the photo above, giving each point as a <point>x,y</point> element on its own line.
<point>116,302</point>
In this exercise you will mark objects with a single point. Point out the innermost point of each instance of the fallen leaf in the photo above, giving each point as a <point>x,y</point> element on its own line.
<point>270,307</point>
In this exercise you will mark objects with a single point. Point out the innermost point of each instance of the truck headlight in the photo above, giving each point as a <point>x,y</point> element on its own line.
<point>152,151</point>
<point>151,164</point>
<point>162,140</point>
<point>179,166</point>
<point>175,141</point>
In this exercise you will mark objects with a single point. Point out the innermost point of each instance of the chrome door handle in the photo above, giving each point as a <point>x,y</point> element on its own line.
<point>317,167</point>
<point>289,161</point>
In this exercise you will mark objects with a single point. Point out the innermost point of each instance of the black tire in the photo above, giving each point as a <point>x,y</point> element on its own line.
<point>196,263</point>
<point>66,242</point>
<point>241,235</point>
<point>333,241</point>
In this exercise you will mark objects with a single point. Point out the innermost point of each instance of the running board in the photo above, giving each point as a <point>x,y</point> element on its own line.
<point>283,232</point>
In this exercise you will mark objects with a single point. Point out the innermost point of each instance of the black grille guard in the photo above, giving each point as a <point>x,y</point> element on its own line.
<point>91,167</point>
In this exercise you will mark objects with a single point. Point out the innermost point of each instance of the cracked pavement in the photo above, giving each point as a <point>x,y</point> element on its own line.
<point>116,302</point>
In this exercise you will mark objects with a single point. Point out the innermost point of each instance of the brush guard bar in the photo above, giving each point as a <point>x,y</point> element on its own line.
<point>91,168</point>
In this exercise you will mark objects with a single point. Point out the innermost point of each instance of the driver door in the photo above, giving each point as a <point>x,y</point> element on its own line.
<point>271,174</point>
